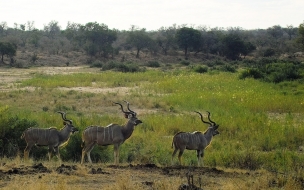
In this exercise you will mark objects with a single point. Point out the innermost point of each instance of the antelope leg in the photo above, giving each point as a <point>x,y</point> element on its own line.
<point>180,156</point>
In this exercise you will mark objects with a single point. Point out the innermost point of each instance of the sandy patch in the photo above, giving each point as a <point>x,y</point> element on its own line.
<point>118,90</point>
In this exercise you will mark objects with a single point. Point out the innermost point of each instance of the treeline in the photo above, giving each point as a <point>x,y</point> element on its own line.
<point>102,43</point>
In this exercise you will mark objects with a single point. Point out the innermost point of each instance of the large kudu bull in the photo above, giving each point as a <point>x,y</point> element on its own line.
<point>112,134</point>
<point>50,137</point>
<point>194,141</point>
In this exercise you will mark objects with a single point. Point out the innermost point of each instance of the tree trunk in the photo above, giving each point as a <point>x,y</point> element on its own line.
<point>137,54</point>
<point>186,53</point>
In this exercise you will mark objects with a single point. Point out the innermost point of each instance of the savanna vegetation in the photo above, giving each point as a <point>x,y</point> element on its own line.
<point>250,81</point>
<point>261,124</point>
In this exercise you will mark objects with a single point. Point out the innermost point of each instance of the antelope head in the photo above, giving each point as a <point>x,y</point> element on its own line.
<point>131,115</point>
<point>212,124</point>
<point>68,123</point>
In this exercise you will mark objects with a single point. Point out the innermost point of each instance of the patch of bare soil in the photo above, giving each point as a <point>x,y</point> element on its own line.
<point>10,77</point>
<point>118,90</point>
<point>140,176</point>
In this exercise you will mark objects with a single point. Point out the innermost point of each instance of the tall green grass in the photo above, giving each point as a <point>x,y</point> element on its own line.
<point>261,124</point>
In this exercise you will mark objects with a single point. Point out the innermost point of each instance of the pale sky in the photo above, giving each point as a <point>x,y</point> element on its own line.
<point>153,14</point>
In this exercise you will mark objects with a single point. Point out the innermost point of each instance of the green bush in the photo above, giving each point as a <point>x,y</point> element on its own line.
<point>185,62</point>
<point>228,68</point>
<point>12,128</point>
<point>251,73</point>
<point>274,71</point>
<point>72,151</point>
<point>153,64</point>
<point>122,67</point>
<point>269,52</point>
<point>201,69</point>
<point>97,64</point>
<point>215,63</point>
<point>279,72</point>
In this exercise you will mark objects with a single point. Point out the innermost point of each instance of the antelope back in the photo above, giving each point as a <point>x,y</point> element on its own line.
<point>39,136</point>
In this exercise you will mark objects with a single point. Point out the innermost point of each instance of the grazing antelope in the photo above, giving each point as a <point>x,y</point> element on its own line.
<point>194,141</point>
<point>50,137</point>
<point>113,134</point>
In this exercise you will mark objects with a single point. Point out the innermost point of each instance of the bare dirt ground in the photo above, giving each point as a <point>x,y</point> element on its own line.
<point>140,176</point>
<point>48,175</point>
<point>9,78</point>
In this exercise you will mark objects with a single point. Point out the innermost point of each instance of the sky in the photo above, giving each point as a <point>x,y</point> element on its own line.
<point>154,14</point>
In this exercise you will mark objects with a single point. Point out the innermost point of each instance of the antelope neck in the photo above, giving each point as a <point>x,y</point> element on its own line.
<point>127,129</point>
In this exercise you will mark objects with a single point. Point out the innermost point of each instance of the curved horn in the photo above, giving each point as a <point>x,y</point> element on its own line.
<point>202,118</point>
<point>210,119</point>
<point>120,107</point>
<point>64,117</point>
<point>128,106</point>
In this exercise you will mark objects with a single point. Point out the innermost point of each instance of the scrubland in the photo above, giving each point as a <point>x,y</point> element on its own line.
<point>260,145</point>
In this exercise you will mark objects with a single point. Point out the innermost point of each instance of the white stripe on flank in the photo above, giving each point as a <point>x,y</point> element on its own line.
<point>109,133</point>
<point>104,134</point>
<point>112,135</point>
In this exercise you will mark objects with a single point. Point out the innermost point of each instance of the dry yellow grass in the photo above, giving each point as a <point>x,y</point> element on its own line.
<point>29,175</point>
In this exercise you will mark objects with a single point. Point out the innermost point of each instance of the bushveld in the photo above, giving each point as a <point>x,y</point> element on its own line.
<point>261,124</point>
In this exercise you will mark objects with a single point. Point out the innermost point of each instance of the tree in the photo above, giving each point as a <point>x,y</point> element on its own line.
<point>139,39</point>
<point>8,49</point>
<point>300,39</point>
<point>52,29</point>
<point>35,36</point>
<point>249,47</point>
<point>188,38</point>
<point>291,31</point>
<point>233,46</point>
<point>98,39</point>
<point>166,38</point>
<point>276,31</point>
<point>3,28</point>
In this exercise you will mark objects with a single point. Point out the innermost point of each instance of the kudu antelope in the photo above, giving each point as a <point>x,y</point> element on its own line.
<point>50,137</point>
<point>194,141</point>
<point>113,134</point>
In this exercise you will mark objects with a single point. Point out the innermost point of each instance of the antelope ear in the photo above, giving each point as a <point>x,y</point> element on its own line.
<point>130,116</point>
<point>64,122</point>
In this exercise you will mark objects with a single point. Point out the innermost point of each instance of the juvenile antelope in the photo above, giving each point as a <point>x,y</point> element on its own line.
<point>194,141</point>
<point>50,137</point>
<point>113,134</point>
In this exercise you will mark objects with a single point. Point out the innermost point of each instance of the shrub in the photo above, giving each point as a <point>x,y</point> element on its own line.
<point>274,72</point>
<point>97,64</point>
<point>12,128</point>
<point>45,108</point>
<point>228,68</point>
<point>201,69</point>
<point>34,58</point>
<point>123,67</point>
<point>215,63</point>
<point>153,64</point>
<point>185,62</point>
<point>269,52</point>
<point>279,72</point>
<point>251,73</point>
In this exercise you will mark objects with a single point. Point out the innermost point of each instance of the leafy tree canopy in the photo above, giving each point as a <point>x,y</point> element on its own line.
<point>8,49</point>
<point>188,38</point>
<point>300,39</point>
